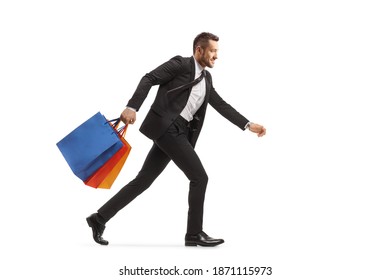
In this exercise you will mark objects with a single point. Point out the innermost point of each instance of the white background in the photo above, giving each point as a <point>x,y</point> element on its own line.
<point>309,199</point>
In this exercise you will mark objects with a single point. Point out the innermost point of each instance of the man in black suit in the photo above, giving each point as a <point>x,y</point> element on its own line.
<point>174,123</point>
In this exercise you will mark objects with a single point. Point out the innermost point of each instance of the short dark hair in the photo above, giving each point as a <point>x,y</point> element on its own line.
<point>203,40</point>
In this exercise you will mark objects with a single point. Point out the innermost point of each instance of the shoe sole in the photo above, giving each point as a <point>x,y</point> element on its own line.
<point>194,244</point>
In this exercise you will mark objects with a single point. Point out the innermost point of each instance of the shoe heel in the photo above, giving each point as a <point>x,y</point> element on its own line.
<point>191,244</point>
<point>89,221</point>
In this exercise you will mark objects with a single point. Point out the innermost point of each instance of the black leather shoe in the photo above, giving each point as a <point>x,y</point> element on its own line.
<point>97,229</point>
<point>202,239</point>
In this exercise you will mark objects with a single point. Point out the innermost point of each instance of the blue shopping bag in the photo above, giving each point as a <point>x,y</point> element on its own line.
<point>90,146</point>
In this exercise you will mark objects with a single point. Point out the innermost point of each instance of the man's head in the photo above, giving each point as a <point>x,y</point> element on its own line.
<point>205,49</point>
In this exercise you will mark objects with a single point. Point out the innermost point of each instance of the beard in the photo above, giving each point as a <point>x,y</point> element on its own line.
<point>206,61</point>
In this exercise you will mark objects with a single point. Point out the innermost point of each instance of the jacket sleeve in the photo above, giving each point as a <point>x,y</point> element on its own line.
<point>226,110</point>
<point>162,74</point>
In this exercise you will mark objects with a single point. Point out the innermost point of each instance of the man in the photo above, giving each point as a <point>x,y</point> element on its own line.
<point>174,123</point>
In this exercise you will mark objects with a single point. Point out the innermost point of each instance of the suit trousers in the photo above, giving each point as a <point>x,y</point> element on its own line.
<point>173,145</point>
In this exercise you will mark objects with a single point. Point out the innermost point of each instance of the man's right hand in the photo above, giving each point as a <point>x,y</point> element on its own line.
<point>128,116</point>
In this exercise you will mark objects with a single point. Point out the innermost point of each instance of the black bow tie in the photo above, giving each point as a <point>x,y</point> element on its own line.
<point>191,84</point>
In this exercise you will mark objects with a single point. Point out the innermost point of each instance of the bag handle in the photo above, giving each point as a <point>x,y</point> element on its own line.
<point>122,130</point>
<point>115,124</point>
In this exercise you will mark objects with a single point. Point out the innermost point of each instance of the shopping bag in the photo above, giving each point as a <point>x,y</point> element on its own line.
<point>90,146</point>
<point>105,176</point>
<point>111,177</point>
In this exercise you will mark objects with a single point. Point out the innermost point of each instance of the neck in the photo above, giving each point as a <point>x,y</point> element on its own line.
<point>197,60</point>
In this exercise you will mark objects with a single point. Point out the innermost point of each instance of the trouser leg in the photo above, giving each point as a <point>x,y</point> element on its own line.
<point>177,147</point>
<point>154,164</point>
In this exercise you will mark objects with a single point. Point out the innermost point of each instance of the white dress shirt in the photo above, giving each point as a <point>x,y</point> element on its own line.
<point>197,95</point>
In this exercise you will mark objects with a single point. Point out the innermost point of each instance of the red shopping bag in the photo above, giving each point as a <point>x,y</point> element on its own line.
<point>105,176</point>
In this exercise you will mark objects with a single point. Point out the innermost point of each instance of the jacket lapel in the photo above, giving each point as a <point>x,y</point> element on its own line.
<point>192,73</point>
<point>208,88</point>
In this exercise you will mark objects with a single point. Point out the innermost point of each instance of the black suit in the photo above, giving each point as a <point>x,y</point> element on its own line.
<point>174,138</point>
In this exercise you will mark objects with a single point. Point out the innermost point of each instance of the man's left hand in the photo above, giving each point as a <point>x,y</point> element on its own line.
<point>258,129</point>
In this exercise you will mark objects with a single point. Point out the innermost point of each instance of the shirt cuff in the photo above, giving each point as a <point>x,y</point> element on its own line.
<point>132,109</point>
<point>247,125</point>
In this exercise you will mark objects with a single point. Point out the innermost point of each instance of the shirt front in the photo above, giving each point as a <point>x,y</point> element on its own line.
<point>197,95</point>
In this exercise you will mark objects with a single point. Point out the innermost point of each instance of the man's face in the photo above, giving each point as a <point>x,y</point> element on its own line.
<point>208,55</point>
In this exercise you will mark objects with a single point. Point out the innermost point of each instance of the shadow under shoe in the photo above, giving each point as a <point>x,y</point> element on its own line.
<point>97,229</point>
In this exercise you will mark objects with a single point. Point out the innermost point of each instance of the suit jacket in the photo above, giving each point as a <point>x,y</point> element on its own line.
<point>167,106</point>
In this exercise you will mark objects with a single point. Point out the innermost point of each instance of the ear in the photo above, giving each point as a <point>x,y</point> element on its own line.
<point>199,49</point>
